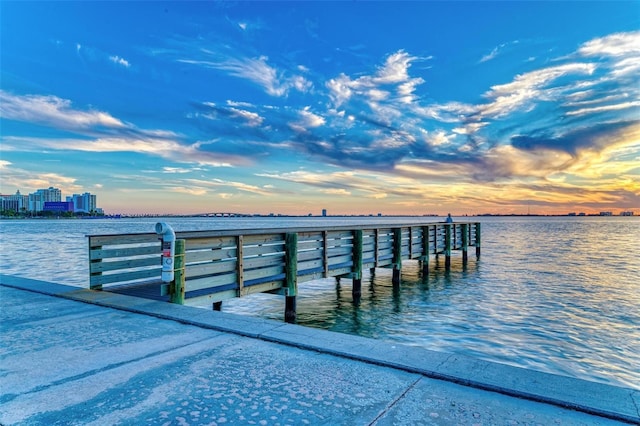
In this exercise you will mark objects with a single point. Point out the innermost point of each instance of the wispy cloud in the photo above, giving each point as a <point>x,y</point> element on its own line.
<point>53,111</point>
<point>14,178</point>
<point>119,61</point>
<point>257,70</point>
<point>237,186</point>
<point>497,51</point>
<point>100,132</point>
<point>614,45</point>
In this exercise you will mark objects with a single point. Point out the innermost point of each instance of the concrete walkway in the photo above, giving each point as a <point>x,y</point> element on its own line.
<point>88,357</point>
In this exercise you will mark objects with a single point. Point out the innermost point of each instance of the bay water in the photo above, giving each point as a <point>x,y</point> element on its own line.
<point>554,294</point>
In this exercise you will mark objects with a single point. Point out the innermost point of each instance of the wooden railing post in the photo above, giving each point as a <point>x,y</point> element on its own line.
<point>93,286</point>
<point>465,241</point>
<point>291,279</point>
<point>325,254</point>
<point>478,240</point>
<point>356,268</point>
<point>240,263</point>
<point>425,249</point>
<point>376,249</point>
<point>178,290</point>
<point>447,246</point>
<point>397,255</point>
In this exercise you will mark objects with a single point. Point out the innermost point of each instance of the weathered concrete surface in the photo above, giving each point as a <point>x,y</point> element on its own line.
<point>145,362</point>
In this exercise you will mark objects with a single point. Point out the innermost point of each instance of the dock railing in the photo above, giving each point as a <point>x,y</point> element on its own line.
<point>222,264</point>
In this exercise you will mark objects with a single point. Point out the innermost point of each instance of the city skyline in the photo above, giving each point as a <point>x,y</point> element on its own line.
<point>47,199</point>
<point>357,107</point>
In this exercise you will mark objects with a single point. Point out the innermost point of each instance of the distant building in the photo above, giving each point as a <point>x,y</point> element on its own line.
<point>85,203</point>
<point>627,213</point>
<point>324,212</point>
<point>16,202</point>
<point>58,206</point>
<point>49,199</point>
<point>606,214</point>
<point>572,214</point>
<point>41,196</point>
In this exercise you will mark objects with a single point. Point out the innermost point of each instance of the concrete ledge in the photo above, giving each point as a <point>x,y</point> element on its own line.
<point>590,397</point>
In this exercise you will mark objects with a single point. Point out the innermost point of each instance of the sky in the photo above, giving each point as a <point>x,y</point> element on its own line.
<point>293,107</point>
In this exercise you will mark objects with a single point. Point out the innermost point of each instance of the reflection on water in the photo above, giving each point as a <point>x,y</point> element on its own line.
<point>560,295</point>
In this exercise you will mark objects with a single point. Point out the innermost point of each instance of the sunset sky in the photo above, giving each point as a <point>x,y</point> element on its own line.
<point>355,107</point>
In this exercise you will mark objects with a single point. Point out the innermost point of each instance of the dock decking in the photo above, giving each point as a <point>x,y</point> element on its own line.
<point>221,264</point>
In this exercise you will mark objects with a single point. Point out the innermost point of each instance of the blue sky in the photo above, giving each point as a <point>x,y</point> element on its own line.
<point>292,107</point>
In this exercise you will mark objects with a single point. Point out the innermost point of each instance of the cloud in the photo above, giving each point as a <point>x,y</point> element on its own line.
<point>191,190</point>
<point>498,50</point>
<point>14,178</point>
<point>178,170</point>
<point>336,191</point>
<point>394,72</point>
<point>101,132</point>
<point>492,54</point>
<point>214,112</point>
<point>258,71</point>
<point>605,108</point>
<point>527,90</point>
<point>239,186</point>
<point>306,120</point>
<point>616,45</point>
<point>171,150</point>
<point>53,111</point>
<point>119,61</point>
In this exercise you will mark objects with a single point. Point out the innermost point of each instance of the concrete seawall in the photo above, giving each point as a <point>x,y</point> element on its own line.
<point>87,357</point>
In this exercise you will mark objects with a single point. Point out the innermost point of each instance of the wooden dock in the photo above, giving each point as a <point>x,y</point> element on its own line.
<point>222,264</point>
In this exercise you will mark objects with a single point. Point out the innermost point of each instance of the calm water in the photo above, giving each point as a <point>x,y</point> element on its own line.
<point>560,295</point>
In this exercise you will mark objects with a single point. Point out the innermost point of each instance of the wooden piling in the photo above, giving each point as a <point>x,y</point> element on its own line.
<point>178,290</point>
<point>290,309</point>
<point>291,276</point>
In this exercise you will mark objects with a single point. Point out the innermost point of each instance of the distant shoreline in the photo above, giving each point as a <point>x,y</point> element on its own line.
<point>276,216</point>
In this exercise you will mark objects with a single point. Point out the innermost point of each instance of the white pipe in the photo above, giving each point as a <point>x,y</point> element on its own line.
<point>168,250</point>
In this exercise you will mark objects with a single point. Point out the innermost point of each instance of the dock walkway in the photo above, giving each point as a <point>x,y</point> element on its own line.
<point>95,358</point>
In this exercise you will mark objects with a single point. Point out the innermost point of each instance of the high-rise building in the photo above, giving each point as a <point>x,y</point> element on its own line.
<point>324,212</point>
<point>16,202</point>
<point>41,196</point>
<point>85,203</point>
